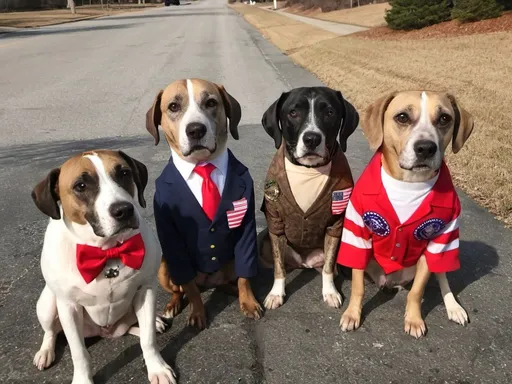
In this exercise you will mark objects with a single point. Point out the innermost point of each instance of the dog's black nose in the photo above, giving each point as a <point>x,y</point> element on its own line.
<point>122,210</point>
<point>425,149</point>
<point>195,131</point>
<point>312,140</point>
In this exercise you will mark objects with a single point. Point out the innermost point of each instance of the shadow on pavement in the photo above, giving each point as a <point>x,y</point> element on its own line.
<point>217,302</point>
<point>59,151</point>
<point>53,31</point>
<point>477,260</point>
<point>165,15</point>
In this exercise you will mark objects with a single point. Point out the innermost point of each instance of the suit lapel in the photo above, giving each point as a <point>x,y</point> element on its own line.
<point>234,188</point>
<point>183,193</point>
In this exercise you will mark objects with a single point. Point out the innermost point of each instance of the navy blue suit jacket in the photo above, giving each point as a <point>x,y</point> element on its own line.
<point>190,241</point>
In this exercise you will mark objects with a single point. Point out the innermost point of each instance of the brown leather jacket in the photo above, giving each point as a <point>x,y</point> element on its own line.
<point>304,230</point>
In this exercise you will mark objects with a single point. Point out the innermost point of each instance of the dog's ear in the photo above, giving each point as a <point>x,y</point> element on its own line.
<point>463,125</point>
<point>154,117</point>
<point>373,120</point>
<point>270,120</point>
<point>349,123</point>
<point>140,176</point>
<point>233,110</point>
<point>46,196</point>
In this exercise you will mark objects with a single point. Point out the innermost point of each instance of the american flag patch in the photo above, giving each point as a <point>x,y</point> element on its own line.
<point>340,201</point>
<point>236,216</point>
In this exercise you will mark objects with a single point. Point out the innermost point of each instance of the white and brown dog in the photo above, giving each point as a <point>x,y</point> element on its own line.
<point>204,199</point>
<point>402,221</point>
<point>99,260</point>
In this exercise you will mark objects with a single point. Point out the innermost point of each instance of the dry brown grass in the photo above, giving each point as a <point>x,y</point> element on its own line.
<point>58,16</point>
<point>367,15</point>
<point>475,68</point>
<point>288,34</point>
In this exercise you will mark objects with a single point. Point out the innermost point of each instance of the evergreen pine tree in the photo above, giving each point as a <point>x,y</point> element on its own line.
<point>474,10</point>
<point>416,14</point>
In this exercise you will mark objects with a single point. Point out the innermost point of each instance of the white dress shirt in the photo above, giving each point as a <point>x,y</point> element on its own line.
<point>194,181</point>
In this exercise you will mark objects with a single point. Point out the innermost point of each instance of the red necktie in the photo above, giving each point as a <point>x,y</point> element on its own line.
<point>91,260</point>
<point>210,192</point>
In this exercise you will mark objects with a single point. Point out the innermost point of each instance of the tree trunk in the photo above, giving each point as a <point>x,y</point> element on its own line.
<point>71,5</point>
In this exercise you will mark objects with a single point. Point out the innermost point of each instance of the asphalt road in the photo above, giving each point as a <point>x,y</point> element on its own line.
<point>88,85</point>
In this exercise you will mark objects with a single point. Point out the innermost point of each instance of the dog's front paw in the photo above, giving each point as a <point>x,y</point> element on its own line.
<point>44,358</point>
<point>275,298</point>
<point>159,372</point>
<point>251,308</point>
<point>173,308</point>
<point>273,301</point>
<point>333,300</point>
<point>350,320</point>
<point>331,295</point>
<point>161,325</point>
<point>455,311</point>
<point>415,326</point>
<point>197,318</point>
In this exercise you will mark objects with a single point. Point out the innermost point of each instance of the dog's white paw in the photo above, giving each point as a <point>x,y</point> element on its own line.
<point>273,301</point>
<point>275,298</point>
<point>455,311</point>
<point>44,358</point>
<point>161,325</point>
<point>333,300</point>
<point>159,372</point>
<point>331,295</point>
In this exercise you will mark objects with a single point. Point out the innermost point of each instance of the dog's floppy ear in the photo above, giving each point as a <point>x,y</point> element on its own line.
<point>349,123</point>
<point>270,120</point>
<point>463,125</point>
<point>154,117</point>
<point>233,110</point>
<point>140,176</point>
<point>373,120</point>
<point>45,195</point>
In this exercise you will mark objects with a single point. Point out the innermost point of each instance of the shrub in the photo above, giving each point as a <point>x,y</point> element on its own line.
<point>507,4</point>
<point>416,14</point>
<point>474,10</point>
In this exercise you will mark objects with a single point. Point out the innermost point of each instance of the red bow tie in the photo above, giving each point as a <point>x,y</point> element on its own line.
<point>91,260</point>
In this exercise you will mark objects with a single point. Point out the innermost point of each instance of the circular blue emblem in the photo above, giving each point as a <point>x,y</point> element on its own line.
<point>376,223</point>
<point>429,229</point>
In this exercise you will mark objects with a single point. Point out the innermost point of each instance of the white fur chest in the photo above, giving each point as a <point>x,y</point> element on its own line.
<point>106,300</point>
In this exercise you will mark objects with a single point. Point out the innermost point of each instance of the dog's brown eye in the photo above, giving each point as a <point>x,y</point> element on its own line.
<point>444,120</point>
<point>174,107</point>
<point>402,118</point>
<point>126,172</point>
<point>330,112</point>
<point>79,187</point>
<point>212,103</point>
<point>293,113</point>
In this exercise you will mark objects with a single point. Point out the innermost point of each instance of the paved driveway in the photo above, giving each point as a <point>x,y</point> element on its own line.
<point>88,85</point>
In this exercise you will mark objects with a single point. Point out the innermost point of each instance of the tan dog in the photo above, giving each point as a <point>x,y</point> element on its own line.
<point>203,248</point>
<point>402,222</point>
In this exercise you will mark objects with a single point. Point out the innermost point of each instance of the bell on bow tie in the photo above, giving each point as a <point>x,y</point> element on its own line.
<point>91,260</point>
<point>112,272</point>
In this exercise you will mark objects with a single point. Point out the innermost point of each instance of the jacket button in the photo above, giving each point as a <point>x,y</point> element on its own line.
<point>400,229</point>
<point>212,229</point>
<point>212,246</point>
<point>397,245</point>
<point>214,258</point>
<point>393,258</point>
